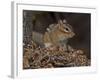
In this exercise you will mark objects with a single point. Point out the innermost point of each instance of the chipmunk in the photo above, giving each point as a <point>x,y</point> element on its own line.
<point>56,34</point>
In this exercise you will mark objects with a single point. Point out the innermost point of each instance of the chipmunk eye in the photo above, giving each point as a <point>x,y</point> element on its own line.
<point>67,29</point>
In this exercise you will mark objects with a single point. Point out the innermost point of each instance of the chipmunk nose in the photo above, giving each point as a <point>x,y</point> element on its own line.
<point>73,34</point>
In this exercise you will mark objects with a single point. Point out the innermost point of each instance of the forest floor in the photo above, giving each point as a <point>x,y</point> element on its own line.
<point>35,57</point>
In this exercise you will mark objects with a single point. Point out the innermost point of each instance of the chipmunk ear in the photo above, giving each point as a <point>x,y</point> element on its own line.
<point>60,22</point>
<point>64,21</point>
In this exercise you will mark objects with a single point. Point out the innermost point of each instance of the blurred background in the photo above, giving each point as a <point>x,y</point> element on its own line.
<point>40,20</point>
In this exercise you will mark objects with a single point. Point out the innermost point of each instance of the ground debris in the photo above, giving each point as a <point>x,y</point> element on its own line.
<point>35,57</point>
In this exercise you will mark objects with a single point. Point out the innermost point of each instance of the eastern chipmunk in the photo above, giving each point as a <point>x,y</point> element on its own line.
<point>56,34</point>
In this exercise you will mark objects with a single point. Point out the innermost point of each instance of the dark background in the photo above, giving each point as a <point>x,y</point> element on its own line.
<point>40,20</point>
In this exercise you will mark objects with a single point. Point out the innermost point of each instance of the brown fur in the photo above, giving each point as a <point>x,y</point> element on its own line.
<point>56,34</point>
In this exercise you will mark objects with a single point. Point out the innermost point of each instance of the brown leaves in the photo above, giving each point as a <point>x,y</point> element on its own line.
<point>36,57</point>
<point>25,62</point>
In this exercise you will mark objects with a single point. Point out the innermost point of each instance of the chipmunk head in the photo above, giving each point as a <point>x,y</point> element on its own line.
<point>65,28</point>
